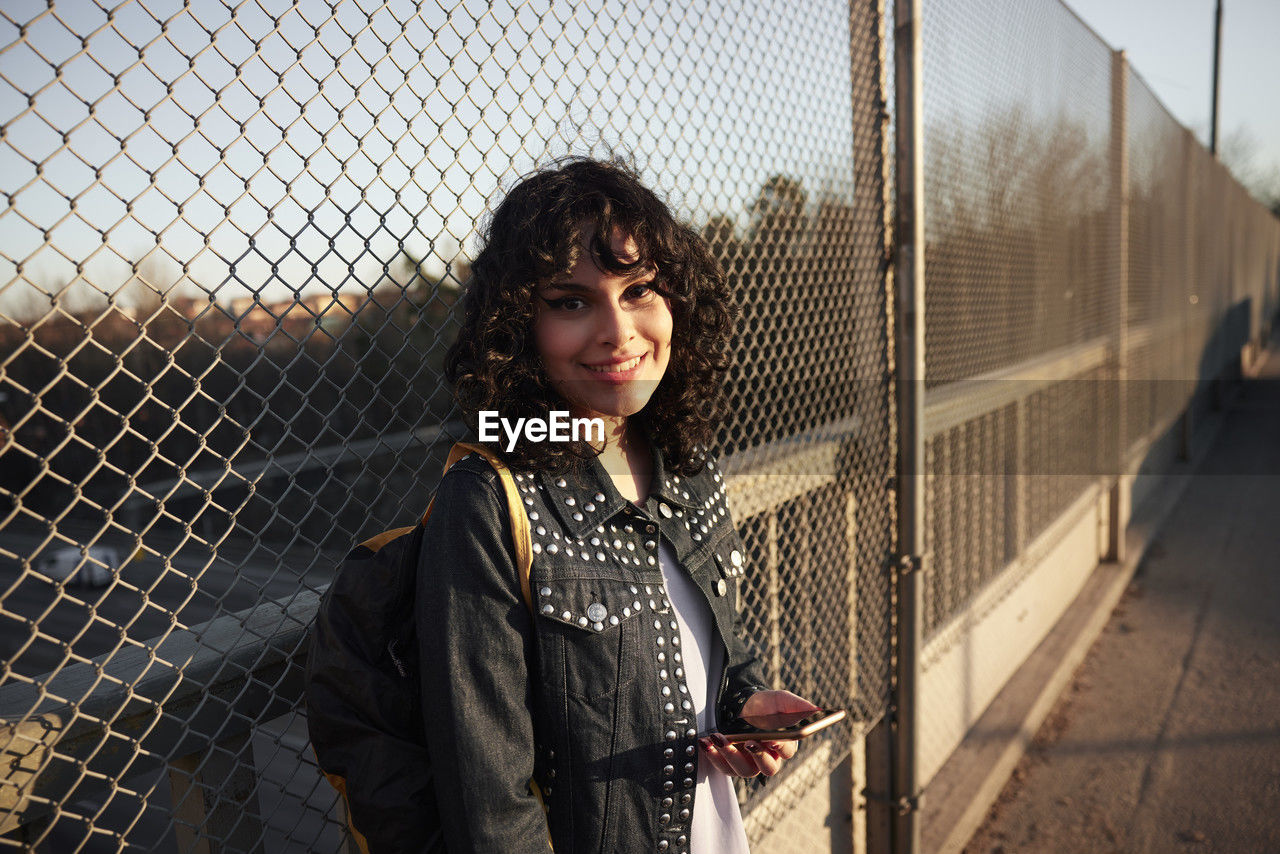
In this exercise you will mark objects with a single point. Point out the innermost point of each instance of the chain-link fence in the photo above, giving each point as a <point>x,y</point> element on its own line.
<point>234,240</point>
<point>1091,273</point>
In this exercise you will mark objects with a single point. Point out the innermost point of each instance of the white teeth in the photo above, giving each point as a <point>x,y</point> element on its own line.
<point>615,369</point>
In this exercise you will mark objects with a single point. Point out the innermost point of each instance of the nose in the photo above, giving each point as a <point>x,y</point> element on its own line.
<point>617,326</point>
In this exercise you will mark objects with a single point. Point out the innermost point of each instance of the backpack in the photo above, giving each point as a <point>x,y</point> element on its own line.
<point>363,645</point>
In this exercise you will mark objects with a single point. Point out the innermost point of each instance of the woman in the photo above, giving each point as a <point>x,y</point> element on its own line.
<point>589,297</point>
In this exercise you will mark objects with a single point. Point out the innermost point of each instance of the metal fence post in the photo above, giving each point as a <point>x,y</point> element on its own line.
<point>909,332</point>
<point>1117,517</point>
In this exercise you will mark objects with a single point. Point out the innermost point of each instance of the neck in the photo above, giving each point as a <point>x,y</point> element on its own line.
<point>625,456</point>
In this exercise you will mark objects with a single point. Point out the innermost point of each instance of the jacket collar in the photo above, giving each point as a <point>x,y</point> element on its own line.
<point>586,498</point>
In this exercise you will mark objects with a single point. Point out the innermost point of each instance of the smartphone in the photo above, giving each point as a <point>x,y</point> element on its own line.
<point>781,727</point>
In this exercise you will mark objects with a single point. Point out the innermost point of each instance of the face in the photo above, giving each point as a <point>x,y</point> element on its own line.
<point>605,340</point>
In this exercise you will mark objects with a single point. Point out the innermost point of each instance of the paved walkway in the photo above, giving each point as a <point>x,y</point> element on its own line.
<point>1168,738</point>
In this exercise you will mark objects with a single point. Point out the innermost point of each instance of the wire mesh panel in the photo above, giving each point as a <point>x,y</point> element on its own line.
<point>230,260</point>
<point>1019,269</point>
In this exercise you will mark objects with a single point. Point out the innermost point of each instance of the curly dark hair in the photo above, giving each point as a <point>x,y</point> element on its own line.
<point>534,237</point>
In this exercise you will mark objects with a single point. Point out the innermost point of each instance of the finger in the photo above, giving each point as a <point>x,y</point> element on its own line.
<point>742,762</point>
<point>766,760</point>
<point>715,758</point>
<point>768,763</point>
<point>784,749</point>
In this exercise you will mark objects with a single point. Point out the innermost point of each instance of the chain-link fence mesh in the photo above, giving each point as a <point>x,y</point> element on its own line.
<point>1018,266</point>
<point>1090,271</point>
<point>234,240</point>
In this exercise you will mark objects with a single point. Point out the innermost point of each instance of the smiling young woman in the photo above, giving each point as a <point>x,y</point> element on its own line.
<point>607,695</point>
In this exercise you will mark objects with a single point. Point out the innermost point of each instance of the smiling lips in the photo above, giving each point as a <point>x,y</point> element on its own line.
<point>616,367</point>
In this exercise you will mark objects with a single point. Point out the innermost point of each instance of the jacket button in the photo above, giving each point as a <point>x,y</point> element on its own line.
<point>596,612</point>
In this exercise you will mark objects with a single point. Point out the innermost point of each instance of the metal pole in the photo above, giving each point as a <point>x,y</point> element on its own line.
<point>1117,512</point>
<point>909,326</point>
<point>1217,76</point>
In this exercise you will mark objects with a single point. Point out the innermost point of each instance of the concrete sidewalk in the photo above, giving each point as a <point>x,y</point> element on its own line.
<point>1168,736</point>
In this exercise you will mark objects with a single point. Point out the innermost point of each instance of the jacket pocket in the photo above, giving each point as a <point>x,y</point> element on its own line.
<point>595,622</point>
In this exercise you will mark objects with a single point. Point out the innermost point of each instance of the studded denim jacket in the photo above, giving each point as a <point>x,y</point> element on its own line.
<point>585,696</point>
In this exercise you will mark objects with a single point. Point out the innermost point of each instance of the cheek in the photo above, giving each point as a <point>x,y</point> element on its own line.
<point>553,342</point>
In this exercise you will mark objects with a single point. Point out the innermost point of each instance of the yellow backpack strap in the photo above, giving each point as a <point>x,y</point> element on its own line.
<point>520,535</point>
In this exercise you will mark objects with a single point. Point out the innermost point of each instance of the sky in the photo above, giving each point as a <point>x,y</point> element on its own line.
<point>1170,44</point>
<point>271,147</point>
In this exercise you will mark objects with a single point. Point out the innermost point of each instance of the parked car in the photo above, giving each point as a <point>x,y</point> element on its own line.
<point>95,566</point>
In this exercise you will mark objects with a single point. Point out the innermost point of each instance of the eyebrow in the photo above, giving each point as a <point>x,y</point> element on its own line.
<point>574,287</point>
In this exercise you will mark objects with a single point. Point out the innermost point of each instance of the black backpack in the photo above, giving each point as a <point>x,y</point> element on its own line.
<point>364,703</point>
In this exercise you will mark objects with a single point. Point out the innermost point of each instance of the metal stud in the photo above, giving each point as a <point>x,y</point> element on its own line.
<point>582,621</point>
<point>599,496</point>
<point>570,501</point>
<point>589,507</point>
<point>665,511</point>
<point>553,548</point>
<point>596,612</point>
<point>547,609</point>
<point>577,517</point>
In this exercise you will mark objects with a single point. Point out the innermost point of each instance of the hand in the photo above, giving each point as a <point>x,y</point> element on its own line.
<point>747,759</point>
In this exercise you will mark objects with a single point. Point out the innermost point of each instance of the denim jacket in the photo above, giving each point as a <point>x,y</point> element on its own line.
<point>585,697</point>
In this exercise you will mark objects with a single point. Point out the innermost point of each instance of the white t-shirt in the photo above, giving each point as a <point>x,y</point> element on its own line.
<point>717,822</point>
